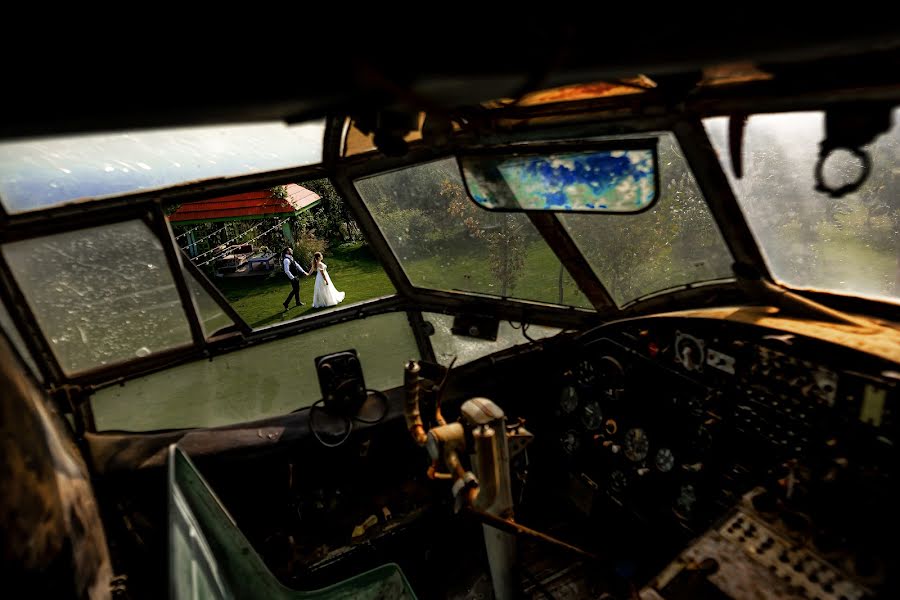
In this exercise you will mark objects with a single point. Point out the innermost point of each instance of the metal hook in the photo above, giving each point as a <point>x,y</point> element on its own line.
<point>845,189</point>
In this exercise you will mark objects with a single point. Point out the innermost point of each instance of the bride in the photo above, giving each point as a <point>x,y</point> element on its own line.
<point>324,294</point>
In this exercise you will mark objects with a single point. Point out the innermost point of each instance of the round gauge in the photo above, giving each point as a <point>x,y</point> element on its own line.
<point>570,442</point>
<point>685,501</point>
<point>636,445</point>
<point>611,376</point>
<point>618,481</point>
<point>585,373</point>
<point>568,401</point>
<point>664,460</point>
<point>591,416</point>
<point>689,351</point>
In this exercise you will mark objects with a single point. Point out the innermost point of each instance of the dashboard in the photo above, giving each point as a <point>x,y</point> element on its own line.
<point>751,455</point>
<point>678,421</point>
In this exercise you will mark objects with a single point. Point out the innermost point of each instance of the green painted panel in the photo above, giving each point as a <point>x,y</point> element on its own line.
<point>260,381</point>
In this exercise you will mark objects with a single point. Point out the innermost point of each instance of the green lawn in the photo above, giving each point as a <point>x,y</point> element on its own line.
<point>352,268</point>
<point>356,272</point>
<point>470,271</point>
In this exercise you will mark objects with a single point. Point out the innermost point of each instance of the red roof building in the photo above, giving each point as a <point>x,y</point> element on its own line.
<point>250,205</point>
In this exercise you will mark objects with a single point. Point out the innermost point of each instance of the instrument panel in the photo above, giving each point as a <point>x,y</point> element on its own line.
<point>675,420</point>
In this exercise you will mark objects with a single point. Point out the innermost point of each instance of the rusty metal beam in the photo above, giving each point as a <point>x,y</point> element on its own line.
<point>562,244</point>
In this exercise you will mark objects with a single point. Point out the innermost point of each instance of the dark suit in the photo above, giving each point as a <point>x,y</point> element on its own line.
<point>288,262</point>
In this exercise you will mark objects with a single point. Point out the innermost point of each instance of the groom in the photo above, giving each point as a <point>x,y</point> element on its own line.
<point>291,268</point>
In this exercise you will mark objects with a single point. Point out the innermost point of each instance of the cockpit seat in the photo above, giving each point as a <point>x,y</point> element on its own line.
<point>209,557</point>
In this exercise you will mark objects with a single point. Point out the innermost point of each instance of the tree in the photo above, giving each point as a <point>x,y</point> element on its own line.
<point>332,219</point>
<point>503,234</point>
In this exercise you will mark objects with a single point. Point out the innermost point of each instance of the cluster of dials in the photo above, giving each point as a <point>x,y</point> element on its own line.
<point>596,387</point>
<point>606,378</point>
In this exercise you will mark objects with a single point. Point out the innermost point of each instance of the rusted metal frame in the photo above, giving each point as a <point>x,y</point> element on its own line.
<point>562,244</point>
<point>703,162</point>
<point>621,105</point>
<point>216,295</point>
<point>775,95</point>
<point>423,340</point>
<point>159,225</point>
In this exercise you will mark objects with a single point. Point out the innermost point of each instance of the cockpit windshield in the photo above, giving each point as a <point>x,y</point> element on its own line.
<point>674,244</point>
<point>810,240</point>
<point>445,241</point>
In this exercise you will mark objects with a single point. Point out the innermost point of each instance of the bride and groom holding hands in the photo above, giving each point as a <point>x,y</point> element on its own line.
<point>324,293</point>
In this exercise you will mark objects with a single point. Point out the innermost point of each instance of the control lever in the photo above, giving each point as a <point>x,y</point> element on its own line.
<point>487,490</point>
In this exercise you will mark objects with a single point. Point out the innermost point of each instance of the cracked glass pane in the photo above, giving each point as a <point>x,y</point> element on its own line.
<point>101,295</point>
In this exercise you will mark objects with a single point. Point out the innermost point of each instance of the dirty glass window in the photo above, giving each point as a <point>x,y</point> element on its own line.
<point>810,240</point>
<point>101,295</point>
<point>445,241</point>
<point>448,346</point>
<point>673,244</point>
<point>260,381</point>
<point>39,173</point>
<point>12,333</point>
<point>238,242</point>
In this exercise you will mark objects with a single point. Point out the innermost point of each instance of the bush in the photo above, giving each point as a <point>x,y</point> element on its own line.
<point>308,244</point>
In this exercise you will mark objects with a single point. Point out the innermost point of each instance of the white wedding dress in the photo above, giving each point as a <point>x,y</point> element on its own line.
<point>325,295</point>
